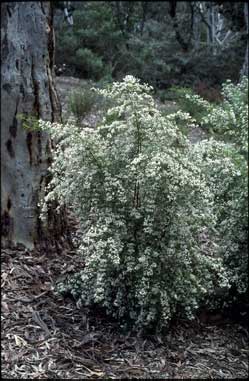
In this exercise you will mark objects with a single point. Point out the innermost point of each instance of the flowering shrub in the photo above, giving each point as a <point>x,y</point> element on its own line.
<point>226,174</point>
<point>230,118</point>
<point>226,171</point>
<point>146,212</point>
<point>227,119</point>
<point>190,102</point>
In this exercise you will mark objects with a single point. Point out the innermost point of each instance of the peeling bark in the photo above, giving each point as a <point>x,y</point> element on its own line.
<point>27,87</point>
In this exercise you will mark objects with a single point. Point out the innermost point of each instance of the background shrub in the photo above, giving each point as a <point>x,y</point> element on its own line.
<point>229,119</point>
<point>82,101</point>
<point>190,102</point>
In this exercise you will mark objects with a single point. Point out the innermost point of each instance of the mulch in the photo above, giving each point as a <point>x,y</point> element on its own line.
<point>46,336</point>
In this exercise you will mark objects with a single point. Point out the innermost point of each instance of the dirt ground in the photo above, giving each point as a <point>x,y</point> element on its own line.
<point>45,336</point>
<point>66,85</point>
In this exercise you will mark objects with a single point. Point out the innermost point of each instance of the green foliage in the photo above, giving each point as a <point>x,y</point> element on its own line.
<point>228,119</point>
<point>29,122</point>
<point>89,46</point>
<point>191,103</point>
<point>146,212</point>
<point>146,58</point>
<point>226,169</point>
<point>226,174</point>
<point>91,63</point>
<point>115,38</point>
<point>82,101</point>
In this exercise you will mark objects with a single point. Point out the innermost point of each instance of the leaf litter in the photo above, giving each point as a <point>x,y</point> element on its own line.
<point>46,336</point>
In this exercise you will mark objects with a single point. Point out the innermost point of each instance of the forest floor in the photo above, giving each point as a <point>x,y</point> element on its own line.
<point>66,85</point>
<point>47,336</point>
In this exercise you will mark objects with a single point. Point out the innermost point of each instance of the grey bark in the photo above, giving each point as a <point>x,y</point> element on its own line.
<point>196,31</point>
<point>27,87</point>
<point>244,70</point>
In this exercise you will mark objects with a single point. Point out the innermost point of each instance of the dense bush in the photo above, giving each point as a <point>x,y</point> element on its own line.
<point>147,213</point>
<point>226,168</point>
<point>82,101</point>
<point>226,174</point>
<point>229,119</point>
<point>190,102</point>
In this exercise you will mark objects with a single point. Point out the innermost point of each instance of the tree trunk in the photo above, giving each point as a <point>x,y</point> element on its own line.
<point>196,29</point>
<point>244,70</point>
<point>27,87</point>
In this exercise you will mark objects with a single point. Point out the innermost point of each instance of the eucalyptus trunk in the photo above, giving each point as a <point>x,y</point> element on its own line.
<point>27,88</point>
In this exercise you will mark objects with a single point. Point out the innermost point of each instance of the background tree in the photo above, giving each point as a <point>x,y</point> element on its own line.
<point>164,43</point>
<point>244,70</point>
<point>27,87</point>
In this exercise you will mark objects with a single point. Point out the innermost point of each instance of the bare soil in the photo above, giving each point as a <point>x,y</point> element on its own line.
<point>65,85</point>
